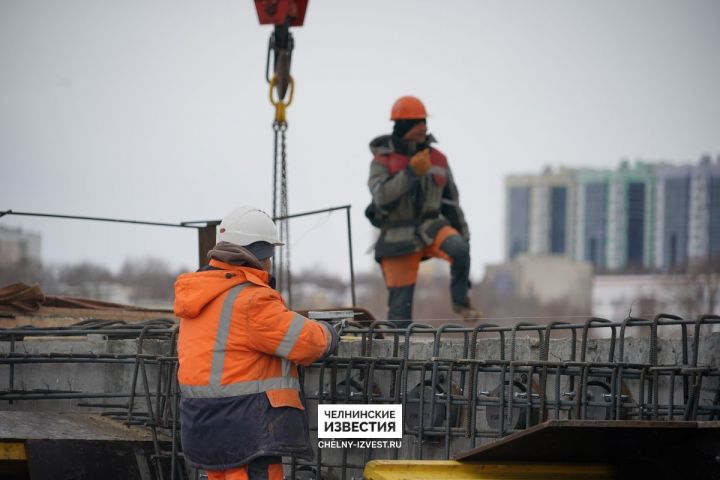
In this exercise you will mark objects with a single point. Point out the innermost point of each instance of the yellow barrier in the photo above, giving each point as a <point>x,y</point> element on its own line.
<point>14,451</point>
<point>452,470</point>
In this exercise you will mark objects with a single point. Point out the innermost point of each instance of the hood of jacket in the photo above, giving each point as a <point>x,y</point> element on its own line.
<point>194,290</point>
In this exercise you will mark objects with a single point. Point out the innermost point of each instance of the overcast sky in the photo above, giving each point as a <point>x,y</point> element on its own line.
<point>158,110</point>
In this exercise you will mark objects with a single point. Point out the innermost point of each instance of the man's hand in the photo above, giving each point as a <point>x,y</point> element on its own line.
<point>420,162</point>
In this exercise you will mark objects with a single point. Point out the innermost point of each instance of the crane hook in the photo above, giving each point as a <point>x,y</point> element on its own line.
<point>280,104</point>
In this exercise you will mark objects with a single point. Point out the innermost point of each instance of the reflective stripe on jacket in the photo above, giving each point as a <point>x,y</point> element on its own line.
<point>237,349</point>
<point>417,207</point>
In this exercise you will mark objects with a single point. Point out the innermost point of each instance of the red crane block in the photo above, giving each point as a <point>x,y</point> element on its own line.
<point>277,12</point>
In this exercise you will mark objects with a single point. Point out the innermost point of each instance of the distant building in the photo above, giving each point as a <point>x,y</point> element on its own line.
<point>18,246</point>
<point>616,296</point>
<point>704,215</point>
<point>107,291</point>
<point>540,211</point>
<point>615,220</point>
<point>547,279</point>
<point>688,213</point>
<point>644,217</point>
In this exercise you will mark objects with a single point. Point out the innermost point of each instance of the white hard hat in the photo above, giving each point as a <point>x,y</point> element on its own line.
<point>247,225</point>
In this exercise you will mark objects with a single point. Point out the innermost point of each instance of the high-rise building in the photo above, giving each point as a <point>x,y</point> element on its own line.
<point>518,220</point>
<point>641,217</point>
<point>672,216</point>
<point>688,213</point>
<point>592,238</point>
<point>704,221</point>
<point>615,216</point>
<point>540,213</point>
<point>630,217</point>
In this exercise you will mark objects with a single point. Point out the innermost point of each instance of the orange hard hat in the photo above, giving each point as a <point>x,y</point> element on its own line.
<point>408,108</point>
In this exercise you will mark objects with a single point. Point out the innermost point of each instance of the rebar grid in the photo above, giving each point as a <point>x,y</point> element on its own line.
<point>459,387</point>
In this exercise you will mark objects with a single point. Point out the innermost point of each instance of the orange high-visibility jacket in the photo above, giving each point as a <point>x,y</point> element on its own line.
<point>238,348</point>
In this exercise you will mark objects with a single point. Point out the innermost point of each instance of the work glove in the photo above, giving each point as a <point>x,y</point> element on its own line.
<point>332,348</point>
<point>420,162</point>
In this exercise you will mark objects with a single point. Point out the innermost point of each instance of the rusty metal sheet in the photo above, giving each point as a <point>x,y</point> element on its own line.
<point>19,297</point>
<point>646,448</point>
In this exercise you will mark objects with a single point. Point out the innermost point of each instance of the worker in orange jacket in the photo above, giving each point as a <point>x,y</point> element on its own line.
<point>416,205</point>
<point>238,349</point>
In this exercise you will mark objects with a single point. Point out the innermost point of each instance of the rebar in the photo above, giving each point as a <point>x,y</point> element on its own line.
<point>454,392</point>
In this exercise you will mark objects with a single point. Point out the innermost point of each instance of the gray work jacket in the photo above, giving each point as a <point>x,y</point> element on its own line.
<point>413,208</point>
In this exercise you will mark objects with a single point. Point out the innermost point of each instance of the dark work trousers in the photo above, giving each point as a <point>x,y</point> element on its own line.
<point>400,299</point>
<point>258,468</point>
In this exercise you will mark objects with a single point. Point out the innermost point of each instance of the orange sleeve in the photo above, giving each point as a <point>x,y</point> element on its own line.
<point>275,330</point>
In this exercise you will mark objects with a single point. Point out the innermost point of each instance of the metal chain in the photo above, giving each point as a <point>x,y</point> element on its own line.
<point>281,266</point>
<point>284,224</point>
<point>276,129</point>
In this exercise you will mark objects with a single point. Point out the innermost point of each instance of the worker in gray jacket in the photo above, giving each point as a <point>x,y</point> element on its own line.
<point>415,203</point>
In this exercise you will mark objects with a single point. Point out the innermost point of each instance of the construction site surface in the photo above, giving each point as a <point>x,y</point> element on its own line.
<point>90,390</point>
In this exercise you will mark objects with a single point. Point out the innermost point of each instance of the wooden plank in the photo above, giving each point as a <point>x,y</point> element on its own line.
<point>56,317</point>
<point>26,425</point>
